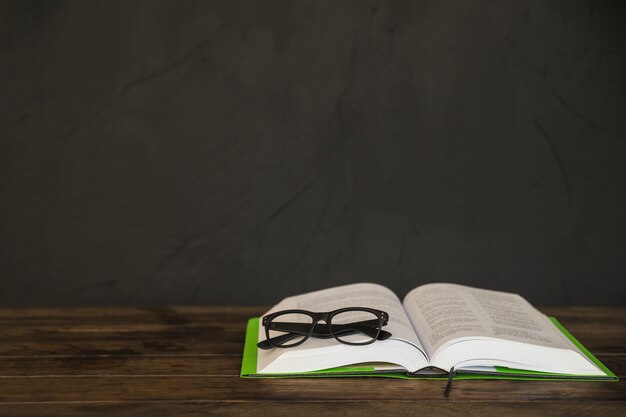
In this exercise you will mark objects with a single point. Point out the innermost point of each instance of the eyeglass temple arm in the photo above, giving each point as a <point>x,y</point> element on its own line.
<point>275,341</point>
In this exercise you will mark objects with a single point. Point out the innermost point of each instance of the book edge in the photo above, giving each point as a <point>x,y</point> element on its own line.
<point>249,364</point>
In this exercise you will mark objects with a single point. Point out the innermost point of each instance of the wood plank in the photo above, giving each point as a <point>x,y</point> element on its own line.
<point>173,365</point>
<point>124,331</point>
<point>600,329</point>
<point>210,330</point>
<point>185,361</point>
<point>122,365</point>
<point>610,316</point>
<point>348,408</point>
<point>162,340</point>
<point>150,313</point>
<point>236,389</point>
<point>616,363</point>
<point>72,317</point>
<point>112,315</point>
<point>613,313</point>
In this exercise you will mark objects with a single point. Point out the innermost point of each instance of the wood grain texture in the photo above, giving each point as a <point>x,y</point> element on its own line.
<point>185,361</point>
<point>322,408</point>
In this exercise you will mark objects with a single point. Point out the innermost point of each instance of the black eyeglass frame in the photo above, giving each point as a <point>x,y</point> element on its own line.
<point>327,317</point>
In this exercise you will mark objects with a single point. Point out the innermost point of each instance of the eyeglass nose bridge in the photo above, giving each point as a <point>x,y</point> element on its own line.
<point>321,316</point>
<point>316,320</point>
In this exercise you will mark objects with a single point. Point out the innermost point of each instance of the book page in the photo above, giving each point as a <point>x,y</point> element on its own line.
<point>354,295</point>
<point>442,313</point>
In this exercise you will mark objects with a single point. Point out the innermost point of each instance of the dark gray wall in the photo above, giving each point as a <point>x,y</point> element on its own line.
<point>237,152</point>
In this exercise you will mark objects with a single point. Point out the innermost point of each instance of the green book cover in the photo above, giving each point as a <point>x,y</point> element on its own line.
<point>249,366</point>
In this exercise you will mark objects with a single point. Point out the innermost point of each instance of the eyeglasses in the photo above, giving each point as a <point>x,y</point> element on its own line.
<point>350,325</point>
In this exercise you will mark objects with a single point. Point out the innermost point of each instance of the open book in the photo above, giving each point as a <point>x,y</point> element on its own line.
<point>437,328</point>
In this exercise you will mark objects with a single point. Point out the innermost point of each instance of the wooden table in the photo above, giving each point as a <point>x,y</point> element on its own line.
<point>185,361</point>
